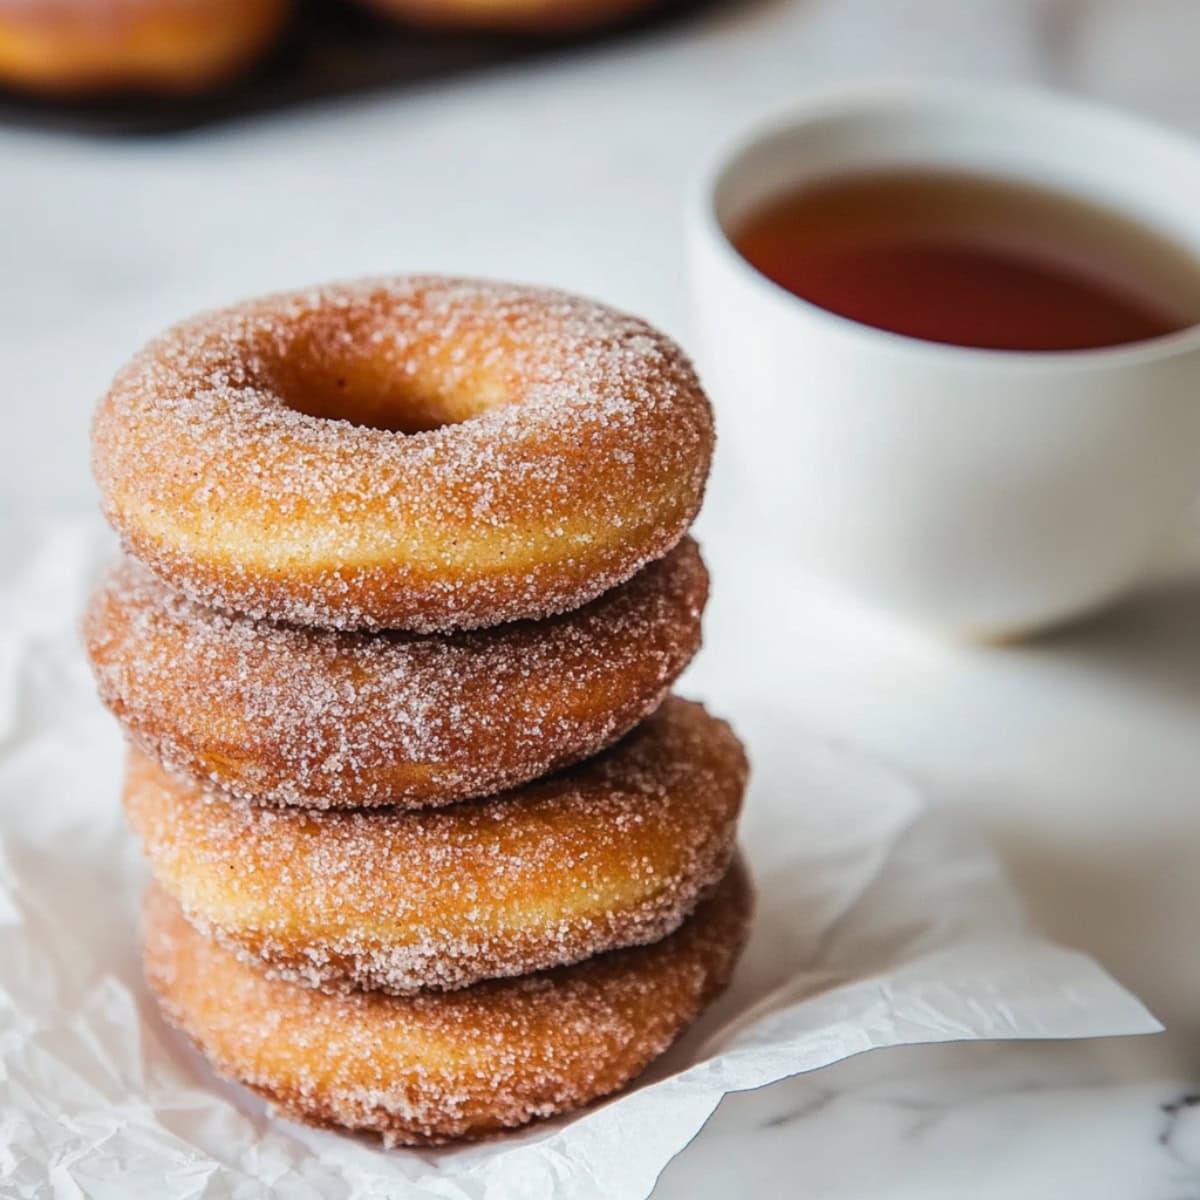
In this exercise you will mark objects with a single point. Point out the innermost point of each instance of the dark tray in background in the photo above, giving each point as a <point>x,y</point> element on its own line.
<point>331,49</point>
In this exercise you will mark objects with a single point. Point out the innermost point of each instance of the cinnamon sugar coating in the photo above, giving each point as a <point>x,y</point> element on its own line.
<point>419,453</point>
<point>613,852</point>
<point>319,718</point>
<point>76,47</point>
<point>440,1066</point>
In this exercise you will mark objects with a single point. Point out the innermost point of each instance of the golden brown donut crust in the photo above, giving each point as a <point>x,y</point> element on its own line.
<point>73,47</point>
<point>611,853</point>
<point>283,715</point>
<point>415,453</point>
<point>438,1066</point>
<point>548,17</point>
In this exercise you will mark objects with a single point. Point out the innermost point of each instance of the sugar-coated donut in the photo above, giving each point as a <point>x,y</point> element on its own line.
<point>546,17</point>
<point>442,1065</point>
<point>416,453</point>
<point>75,47</point>
<point>613,852</point>
<point>334,720</point>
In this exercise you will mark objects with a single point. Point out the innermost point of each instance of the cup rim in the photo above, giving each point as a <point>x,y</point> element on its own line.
<point>826,103</point>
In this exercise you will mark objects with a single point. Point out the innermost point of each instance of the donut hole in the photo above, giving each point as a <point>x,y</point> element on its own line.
<point>373,399</point>
<point>403,392</point>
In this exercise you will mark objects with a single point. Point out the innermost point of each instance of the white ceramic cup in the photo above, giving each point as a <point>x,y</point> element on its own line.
<point>984,493</point>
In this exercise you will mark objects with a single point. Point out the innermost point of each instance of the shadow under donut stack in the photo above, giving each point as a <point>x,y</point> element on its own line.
<point>435,853</point>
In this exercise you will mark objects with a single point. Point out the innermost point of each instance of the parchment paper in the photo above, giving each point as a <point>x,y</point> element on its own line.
<point>881,921</point>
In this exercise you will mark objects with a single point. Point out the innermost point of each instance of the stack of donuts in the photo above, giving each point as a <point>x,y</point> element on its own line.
<point>407,584</point>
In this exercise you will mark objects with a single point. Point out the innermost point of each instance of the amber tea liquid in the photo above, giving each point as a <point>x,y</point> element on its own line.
<point>974,261</point>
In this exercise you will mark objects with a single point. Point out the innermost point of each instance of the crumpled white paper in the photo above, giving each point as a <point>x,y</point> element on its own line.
<point>880,922</point>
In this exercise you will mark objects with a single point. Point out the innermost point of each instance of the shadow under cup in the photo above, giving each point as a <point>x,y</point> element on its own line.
<point>978,492</point>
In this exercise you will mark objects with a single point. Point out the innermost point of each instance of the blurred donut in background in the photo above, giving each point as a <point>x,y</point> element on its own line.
<point>99,47</point>
<point>546,17</point>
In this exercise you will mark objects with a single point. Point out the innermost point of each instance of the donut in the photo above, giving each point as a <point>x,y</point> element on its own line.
<point>614,852</point>
<point>415,453</point>
<point>77,47</point>
<point>539,17</point>
<point>326,719</point>
<point>437,1066</point>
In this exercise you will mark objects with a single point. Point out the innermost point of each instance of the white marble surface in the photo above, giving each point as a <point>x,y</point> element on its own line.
<point>1080,754</point>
